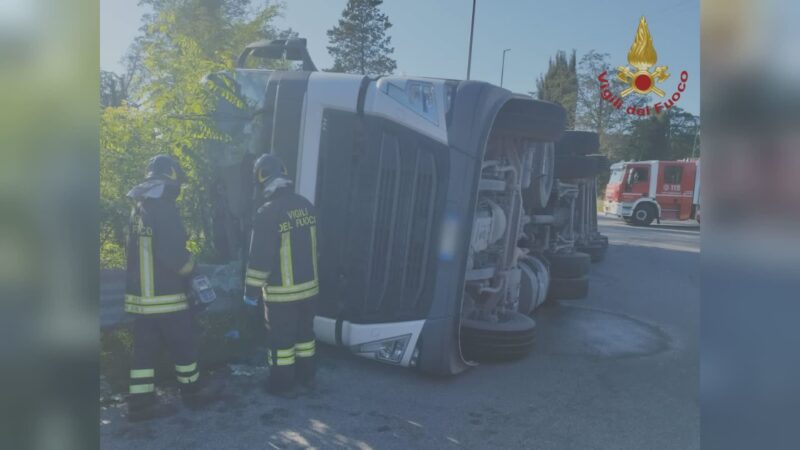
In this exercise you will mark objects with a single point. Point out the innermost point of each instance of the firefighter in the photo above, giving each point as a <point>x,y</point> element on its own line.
<point>159,270</point>
<point>281,276</point>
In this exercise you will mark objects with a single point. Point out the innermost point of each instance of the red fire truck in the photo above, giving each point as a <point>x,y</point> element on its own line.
<point>643,191</point>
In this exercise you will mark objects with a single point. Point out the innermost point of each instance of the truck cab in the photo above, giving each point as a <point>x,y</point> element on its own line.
<point>643,191</point>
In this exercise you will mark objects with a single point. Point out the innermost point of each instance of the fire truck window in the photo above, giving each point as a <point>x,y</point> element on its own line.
<point>638,175</point>
<point>673,174</point>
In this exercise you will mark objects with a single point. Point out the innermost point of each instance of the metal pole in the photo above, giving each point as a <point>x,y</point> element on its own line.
<point>471,30</point>
<point>694,144</point>
<point>503,67</point>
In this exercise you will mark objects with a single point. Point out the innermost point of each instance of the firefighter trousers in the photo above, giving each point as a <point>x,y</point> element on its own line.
<point>291,344</point>
<point>175,331</point>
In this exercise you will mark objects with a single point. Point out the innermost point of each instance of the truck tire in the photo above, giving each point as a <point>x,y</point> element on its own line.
<point>602,161</point>
<point>534,283</point>
<point>595,251</point>
<point>568,288</point>
<point>541,120</point>
<point>578,143</point>
<point>486,341</point>
<point>644,215</point>
<point>571,167</point>
<point>569,265</point>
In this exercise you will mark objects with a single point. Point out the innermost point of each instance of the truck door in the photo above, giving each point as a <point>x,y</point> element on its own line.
<point>637,183</point>
<point>675,190</point>
<point>687,189</point>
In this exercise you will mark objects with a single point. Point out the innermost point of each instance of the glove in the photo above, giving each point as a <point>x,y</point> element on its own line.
<point>250,301</point>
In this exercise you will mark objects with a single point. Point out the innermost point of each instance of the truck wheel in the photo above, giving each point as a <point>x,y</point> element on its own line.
<point>602,162</point>
<point>644,215</point>
<point>595,250</point>
<point>486,341</point>
<point>571,167</point>
<point>569,265</point>
<point>534,283</point>
<point>541,120</point>
<point>578,143</point>
<point>568,288</point>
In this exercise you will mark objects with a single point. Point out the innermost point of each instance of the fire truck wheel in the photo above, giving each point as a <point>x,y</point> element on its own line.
<point>569,265</point>
<point>644,215</point>
<point>578,143</point>
<point>568,288</point>
<point>486,341</point>
<point>571,167</point>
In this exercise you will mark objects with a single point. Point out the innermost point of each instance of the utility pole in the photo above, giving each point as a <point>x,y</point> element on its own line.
<point>503,66</point>
<point>471,30</point>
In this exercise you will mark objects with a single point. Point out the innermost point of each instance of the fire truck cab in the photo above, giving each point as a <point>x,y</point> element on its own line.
<point>643,191</point>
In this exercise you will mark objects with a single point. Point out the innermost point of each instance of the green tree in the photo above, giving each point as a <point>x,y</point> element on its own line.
<point>684,133</point>
<point>560,84</point>
<point>648,139</point>
<point>592,112</point>
<point>359,44</point>
<point>180,42</point>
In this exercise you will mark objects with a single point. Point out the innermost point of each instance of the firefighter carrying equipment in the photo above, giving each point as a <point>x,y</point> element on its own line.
<point>282,270</point>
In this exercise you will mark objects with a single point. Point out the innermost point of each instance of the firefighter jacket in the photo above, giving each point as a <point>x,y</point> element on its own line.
<point>158,262</point>
<point>283,250</point>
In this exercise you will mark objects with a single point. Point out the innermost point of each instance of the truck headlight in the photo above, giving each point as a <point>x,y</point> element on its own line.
<point>387,350</point>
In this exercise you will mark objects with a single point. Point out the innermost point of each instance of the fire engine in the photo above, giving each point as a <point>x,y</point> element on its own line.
<point>643,191</point>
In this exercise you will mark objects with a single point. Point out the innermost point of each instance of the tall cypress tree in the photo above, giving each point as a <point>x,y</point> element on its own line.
<point>560,84</point>
<point>359,44</point>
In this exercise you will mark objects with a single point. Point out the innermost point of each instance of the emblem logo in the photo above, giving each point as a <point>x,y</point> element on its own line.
<point>642,56</point>
<point>640,77</point>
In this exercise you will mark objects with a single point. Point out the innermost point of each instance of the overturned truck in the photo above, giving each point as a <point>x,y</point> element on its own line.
<point>440,215</point>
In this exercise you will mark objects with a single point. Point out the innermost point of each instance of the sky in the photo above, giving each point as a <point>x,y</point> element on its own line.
<point>431,37</point>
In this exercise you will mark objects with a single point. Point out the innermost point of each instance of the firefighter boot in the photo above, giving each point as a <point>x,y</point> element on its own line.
<point>146,407</point>
<point>202,392</point>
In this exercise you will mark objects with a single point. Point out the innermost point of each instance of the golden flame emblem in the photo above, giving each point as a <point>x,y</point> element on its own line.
<point>642,56</point>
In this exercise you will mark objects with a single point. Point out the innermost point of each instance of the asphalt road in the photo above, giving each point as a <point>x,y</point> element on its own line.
<point>618,370</point>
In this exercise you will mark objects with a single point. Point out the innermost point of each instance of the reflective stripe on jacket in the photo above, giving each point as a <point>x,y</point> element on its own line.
<point>282,266</point>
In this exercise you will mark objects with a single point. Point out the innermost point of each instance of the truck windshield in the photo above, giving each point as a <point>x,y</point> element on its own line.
<point>616,176</point>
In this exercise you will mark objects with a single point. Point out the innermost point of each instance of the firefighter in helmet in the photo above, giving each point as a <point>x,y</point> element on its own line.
<point>281,275</point>
<point>159,269</point>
